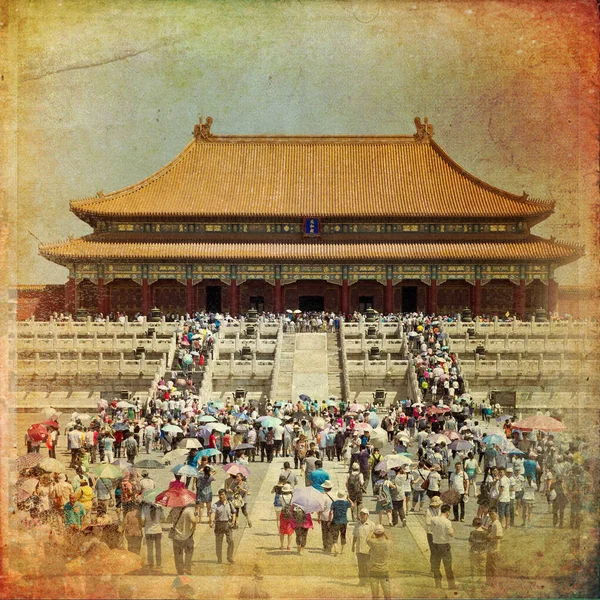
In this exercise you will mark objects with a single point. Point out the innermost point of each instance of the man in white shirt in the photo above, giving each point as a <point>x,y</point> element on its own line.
<point>149,434</point>
<point>278,439</point>
<point>325,517</point>
<point>442,532</point>
<point>362,530</point>
<point>459,482</point>
<point>503,497</point>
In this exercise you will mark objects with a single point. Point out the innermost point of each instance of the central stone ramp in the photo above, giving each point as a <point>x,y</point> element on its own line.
<point>310,366</point>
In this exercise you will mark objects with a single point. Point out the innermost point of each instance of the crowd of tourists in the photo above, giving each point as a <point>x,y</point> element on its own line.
<point>442,452</point>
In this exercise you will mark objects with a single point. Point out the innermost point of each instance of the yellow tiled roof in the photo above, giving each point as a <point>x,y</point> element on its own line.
<point>317,176</point>
<point>96,248</point>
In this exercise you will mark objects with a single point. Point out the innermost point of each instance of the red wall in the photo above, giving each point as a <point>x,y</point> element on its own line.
<point>40,301</point>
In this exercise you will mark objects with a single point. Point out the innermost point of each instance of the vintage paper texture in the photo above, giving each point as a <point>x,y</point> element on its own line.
<point>98,95</point>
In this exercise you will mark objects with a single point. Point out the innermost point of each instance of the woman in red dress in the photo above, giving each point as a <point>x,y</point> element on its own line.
<point>286,522</point>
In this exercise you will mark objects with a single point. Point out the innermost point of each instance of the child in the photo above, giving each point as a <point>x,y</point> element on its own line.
<point>277,500</point>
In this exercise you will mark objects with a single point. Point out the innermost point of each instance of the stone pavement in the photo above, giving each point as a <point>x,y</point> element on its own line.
<point>310,366</point>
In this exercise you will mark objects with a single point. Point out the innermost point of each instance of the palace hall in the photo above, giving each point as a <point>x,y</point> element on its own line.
<point>334,223</point>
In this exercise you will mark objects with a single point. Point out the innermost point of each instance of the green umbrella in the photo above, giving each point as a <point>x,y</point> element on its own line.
<point>150,496</point>
<point>149,463</point>
<point>107,471</point>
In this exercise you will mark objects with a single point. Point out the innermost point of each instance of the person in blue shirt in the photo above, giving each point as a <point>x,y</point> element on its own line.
<point>530,467</point>
<point>339,521</point>
<point>318,476</point>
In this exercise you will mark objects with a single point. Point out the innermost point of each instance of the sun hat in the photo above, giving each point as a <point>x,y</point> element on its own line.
<point>436,501</point>
<point>341,495</point>
<point>379,530</point>
<point>356,467</point>
<point>327,485</point>
<point>364,511</point>
<point>287,489</point>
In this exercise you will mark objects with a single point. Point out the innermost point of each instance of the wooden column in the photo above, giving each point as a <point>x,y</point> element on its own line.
<point>345,297</point>
<point>552,295</point>
<point>432,297</point>
<point>278,308</point>
<point>189,296</point>
<point>71,295</point>
<point>146,297</point>
<point>102,294</point>
<point>234,305</point>
<point>522,298</point>
<point>389,297</point>
<point>476,307</point>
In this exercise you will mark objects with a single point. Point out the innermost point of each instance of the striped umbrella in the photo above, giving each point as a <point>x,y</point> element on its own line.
<point>27,461</point>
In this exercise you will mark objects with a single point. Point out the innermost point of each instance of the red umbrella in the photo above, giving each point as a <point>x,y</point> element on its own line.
<point>51,424</point>
<point>453,435</point>
<point>37,432</point>
<point>539,422</point>
<point>176,497</point>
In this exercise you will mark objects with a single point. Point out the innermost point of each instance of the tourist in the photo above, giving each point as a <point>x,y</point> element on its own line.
<point>529,489</point>
<point>362,531</point>
<point>286,523</point>
<point>433,481</point>
<point>478,543</point>
<point>441,533</point>
<point>559,502</point>
<point>132,530</point>
<point>151,519</point>
<point>302,523</point>
<point>396,487</point>
<point>432,511</point>
<point>495,534</point>
<point>384,498</point>
<point>339,522</point>
<point>204,493</point>
<point>222,518</point>
<point>472,469</point>
<point>318,476</point>
<point>354,486</point>
<point>183,521</point>
<point>324,516</point>
<point>459,482</point>
<point>240,491</point>
<point>73,512</point>
<point>379,570</point>
<point>108,442</point>
<point>288,474</point>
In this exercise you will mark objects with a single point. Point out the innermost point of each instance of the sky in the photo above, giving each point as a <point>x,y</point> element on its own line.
<point>109,91</point>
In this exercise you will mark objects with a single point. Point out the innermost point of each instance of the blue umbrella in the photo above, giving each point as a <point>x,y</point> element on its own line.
<point>208,452</point>
<point>494,438</point>
<point>187,470</point>
<point>460,445</point>
<point>270,422</point>
<point>121,427</point>
<point>305,398</point>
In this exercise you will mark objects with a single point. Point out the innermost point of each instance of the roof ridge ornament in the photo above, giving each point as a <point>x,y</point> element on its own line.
<point>424,130</point>
<point>202,130</point>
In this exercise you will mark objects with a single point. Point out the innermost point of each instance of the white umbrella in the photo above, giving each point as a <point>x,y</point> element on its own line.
<point>174,455</point>
<point>190,443</point>
<point>221,427</point>
<point>378,437</point>
<point>124,404</point>
<point>170,428</point>
<point>164,388</point>
<point>308,499</point>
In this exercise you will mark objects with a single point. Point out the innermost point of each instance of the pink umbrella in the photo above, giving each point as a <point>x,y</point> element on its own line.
<point>176,497</point>
<point>235,468</point>
<point>452,435</point>
<point>356,407</point>
<point>364,427</point>
<point>539,422</point>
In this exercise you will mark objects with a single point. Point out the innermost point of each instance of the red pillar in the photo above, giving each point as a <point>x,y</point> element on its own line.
<point>522,298</point>
<point>476,308</point>
<point>389,297</point>
<point>101,296</point>
<point>278,299</point>
<point>345,297</point>
<point>146,297</point>
<point>432,299</point>
<point>552,295</point>
<point>189,296</point>
<point>71,295</point>
<point>234,307</point>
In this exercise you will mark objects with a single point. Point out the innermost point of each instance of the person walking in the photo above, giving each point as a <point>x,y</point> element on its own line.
<point>339,522</point>
<point>459,482</point>
<point>132,530</point>
<point>286,523</point>
<point>529,490</point>
<point>354,486</point>
<point>325,516</point>
<point>152,526</point>
<point>204,493</point>
<point>222,518</point>
<point>379,570</point>
<point>495,534</point>
<point>362,531</point>
<point>182,533</point>
<point>559,502</point>
<point>441,533</point>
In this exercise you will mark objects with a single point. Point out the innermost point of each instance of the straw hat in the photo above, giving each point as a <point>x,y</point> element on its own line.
<point>435,502</point>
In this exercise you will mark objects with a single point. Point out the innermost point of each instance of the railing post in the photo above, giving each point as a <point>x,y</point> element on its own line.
<point>58,363</point>
<point>100,362</point>
<point>253,363</point>
<point>541,364</point>
<point>78,363</point>
<point>365,363</point>
<point>231,364</point>
<point>154,343</point>
<point>36,362</point>
<point>236,347</point>
<point>519,364</point>
<point>142,362</point>
<point>477,364</point>
<point>498,365</point>
<point>121,363</point>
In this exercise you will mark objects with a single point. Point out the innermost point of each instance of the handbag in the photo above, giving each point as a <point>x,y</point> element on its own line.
<point>424,483</point>
<point>173,530</point>
<point>237,500</point>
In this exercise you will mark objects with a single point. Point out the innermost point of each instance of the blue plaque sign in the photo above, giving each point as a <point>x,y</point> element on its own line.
<point>312,227</point>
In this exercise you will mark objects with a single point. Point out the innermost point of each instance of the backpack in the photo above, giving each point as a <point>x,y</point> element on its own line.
<point>354,487</point>
<point>298,514</point>
<point>382,493</point>
<point>286,511</point>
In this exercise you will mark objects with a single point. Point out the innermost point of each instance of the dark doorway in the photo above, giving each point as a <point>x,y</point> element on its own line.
<point>257,303</point>
<point>364,302</point>
<point>213,298</point>
<point>311,303</point>
<point>409,299</point>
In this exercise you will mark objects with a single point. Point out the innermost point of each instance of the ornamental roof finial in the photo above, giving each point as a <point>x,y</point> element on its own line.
<point>424,130</point>
<point>202,130</point>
